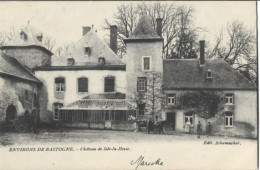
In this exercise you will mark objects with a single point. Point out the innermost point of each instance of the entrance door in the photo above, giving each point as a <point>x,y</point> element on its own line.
<point>171,119</point>
<point>10,113</point>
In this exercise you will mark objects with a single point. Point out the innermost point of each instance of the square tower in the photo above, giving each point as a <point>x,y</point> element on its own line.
<point>144,67</point>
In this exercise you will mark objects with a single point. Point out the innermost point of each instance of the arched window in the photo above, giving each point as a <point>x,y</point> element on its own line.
<point>83,84</point>
<point>209,74</point>
<point>109,84</point>
<point>59,84</point>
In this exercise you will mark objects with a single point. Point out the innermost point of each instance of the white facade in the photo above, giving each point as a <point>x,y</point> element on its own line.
<point>71,94</point>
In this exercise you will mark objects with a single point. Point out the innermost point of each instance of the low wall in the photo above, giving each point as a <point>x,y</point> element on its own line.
<point>123,126</point>
<point>128,126</point>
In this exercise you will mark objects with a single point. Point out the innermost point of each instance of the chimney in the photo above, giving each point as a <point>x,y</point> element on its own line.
<point>202,52</point>
<point>86,30</point>
<point>113,38</point>
<point>159,26</point>
<point>70,61</point>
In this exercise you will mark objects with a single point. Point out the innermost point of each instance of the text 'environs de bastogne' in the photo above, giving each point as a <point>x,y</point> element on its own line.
<point>36,149</point>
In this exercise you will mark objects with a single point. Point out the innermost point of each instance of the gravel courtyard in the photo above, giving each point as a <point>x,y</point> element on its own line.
<point>103,136</point>
<point>177,151</point>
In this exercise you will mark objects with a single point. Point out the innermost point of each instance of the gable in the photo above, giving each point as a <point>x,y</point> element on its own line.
<point>95,48</point>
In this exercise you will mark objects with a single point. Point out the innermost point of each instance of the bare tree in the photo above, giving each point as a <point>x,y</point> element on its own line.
<point>153,97</point>
<point>178,30</point>
<point>49,43</point>
<point>5,37</point>
<point>239,49</point>
<point>60,49</point>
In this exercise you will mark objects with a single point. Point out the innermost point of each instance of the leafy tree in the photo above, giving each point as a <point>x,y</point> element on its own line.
<point>205,103</point>
<point>178,30</point>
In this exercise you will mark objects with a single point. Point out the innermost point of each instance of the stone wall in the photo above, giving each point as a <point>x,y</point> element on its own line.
<point>29,56</point>
<point>12,92</point>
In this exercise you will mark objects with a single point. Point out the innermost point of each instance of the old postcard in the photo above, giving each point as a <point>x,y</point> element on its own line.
<point>128,85</point>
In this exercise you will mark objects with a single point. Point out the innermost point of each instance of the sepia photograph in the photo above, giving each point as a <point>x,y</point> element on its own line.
<point>128,85</point>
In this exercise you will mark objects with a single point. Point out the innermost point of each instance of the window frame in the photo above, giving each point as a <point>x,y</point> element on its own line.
<point>87,52</point>
<point>207,74</point>
<point>228,119</point>
<point>60,85</point>
<point>114,88</point>
<point>26,94</point>
<point>144,84</point>
<point>79,83</point>
<point>143,105</point>
<point>150,63</point>
<point>190,117</point>
<point>59,105</point>
<point>171,96</point>
<point>229,96</point>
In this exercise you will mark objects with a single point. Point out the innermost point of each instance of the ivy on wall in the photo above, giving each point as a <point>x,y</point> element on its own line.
<point>205,103</point>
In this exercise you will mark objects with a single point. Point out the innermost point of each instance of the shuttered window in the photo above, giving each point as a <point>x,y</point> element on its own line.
<point>83,84</point>
<point>109,84</point>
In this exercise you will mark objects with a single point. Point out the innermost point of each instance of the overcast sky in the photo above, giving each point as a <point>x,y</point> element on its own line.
<point>63,21</point>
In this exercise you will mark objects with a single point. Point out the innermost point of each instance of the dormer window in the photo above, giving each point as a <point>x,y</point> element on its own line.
<point>87,51</point>
<point>209,74</point>
<point>23,36</point>
<point>101,60</point>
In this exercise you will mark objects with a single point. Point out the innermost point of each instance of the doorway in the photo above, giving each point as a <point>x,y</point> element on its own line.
<point>10,113</point>
<point>171,119</point>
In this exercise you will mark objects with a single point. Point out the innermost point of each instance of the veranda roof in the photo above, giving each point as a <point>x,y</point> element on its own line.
<point>99,104</point>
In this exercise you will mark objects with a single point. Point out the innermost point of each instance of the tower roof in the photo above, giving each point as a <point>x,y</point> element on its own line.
<point>31,38</point>
<point>143,31</point>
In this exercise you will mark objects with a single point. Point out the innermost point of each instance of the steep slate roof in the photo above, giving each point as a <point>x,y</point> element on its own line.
<point>187,74</point>
<point>11,67</point>
<point>144,30</point>
<point>98,47</point>
<point>31,38</point>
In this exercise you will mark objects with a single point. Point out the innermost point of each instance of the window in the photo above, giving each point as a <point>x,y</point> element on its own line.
<point>209,74</point>
<point>141,109</point>
<point>109,84</point>
<point>171,99</point>
<point>229,99</point>
<point>83,84</point>
<point>141,84</point>
<point>26,94</point>
<point>59,84</point>
<point>146,63</point>
<point>229,119</point>
<point>188,118</point>
<point>35,100</point>
<point>23,36</point>
<point>56,107</point>
<point>87,51</point>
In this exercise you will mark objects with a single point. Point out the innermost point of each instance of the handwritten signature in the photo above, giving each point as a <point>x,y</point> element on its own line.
<point>141,162</point>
